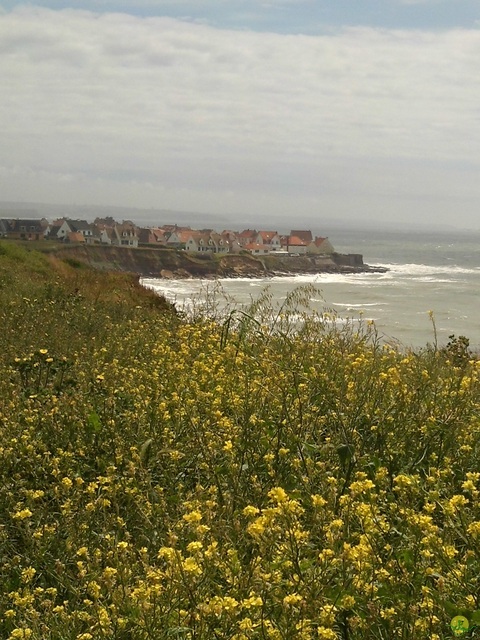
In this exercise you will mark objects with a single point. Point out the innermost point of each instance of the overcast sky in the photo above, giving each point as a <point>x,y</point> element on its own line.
<point>306,110</point>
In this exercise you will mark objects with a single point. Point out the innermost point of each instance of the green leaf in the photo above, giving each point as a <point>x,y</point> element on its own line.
<point>145,451</point>
<point>475,617</point>
<point>345,453</point>
<point>406,557</point>
<point>451,608</point>
<point>93,423</point>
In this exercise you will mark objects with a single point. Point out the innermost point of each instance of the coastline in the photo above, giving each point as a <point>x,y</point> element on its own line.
<point>178,264</point>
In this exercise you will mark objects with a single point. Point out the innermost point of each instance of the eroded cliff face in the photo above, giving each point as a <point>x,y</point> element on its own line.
<point>162,262</point>
<point>171,263</point>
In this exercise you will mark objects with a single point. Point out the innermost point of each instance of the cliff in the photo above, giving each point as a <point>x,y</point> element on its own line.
<point>171,263</point>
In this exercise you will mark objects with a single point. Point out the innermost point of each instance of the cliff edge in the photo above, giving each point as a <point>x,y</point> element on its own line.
<point>173,263</point>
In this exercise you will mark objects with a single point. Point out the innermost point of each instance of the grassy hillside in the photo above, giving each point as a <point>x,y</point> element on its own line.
<point>164,478</point>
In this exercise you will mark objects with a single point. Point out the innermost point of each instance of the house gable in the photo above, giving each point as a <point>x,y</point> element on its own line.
<point>304,234</point>
<point>320,246</point>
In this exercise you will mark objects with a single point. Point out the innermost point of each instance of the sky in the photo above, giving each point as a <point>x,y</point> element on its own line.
<point>356,111</point>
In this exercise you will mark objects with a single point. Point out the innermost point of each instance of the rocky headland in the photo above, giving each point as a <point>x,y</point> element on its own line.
<point>174,264</point>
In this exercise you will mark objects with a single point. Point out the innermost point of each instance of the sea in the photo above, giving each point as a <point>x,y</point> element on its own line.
<point>430,292</point>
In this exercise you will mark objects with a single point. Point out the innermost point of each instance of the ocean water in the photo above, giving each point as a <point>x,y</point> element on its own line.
<point>427,272</point>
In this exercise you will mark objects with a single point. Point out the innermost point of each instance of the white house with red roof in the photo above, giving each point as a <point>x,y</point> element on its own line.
<point>257,248</point>
<point>247,236</point>
<point>303,234</point>
<point>296,245</point>
<point>178,237</point>
<point>271,239</point>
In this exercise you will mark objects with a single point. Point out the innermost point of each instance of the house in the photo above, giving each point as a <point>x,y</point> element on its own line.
<point>75,236</point>
<point>52,231</point>
<point>270,239</point>
<point>284,242</point>
<point>152,236</point>
<point>296,245</point>
<point>88,230</point>
<point>4,227</point>
<point>206,241</point>
<point>21,229</point>
<point>107,234</point>
<point>178,237</point>
<point>230,238</point>
<point>145,236</point>
<point>160,236</point>
<point>257,248</point>
<point>198,242</point>
<point>320,246</point>
<point>221,242</point>
<point>304,234</point>
<point>107,221</point>
<point>300,242</point>
<point>65,228</point>
<point>125,234</point>
<point>247,236</point>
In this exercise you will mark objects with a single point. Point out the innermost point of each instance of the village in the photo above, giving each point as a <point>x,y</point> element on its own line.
<point>106,231</point>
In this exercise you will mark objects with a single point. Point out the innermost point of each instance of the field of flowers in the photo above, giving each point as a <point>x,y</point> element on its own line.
<point>268,476</point>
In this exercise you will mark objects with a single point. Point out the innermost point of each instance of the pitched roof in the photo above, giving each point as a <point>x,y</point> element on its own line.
<point>54,229</point>
<point>19,222</point>
<point>267,235</point>
<point>184,235</point>
<point>110,232</point>
<point>80,225</point>
<point>303,234</point>
<point>4,225</point>
<point>145,235</point>
<point>152,235</point>
<point>75,236</point>
<point>295,241</point>
<point>205,236</point>
<point>127,227</point>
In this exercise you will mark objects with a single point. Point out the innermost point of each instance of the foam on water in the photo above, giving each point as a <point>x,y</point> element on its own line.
<point>426,269</point>
<point>351,305</point>
<point>399,300</point>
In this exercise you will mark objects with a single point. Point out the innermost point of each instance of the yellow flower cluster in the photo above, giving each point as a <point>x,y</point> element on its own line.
<point>264,476</point>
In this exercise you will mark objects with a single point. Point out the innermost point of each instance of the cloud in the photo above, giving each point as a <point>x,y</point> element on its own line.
<point>415,2</point>
<point>233,119</point>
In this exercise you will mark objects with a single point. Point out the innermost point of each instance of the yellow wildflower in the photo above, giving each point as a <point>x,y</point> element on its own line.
<point>23,514</point>
<point>192,517</point>
<point>277,494</point>
<point>326,634</point>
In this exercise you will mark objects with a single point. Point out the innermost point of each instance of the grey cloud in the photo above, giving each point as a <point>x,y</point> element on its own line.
<point>414,2</point>
<point>219,118</point>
